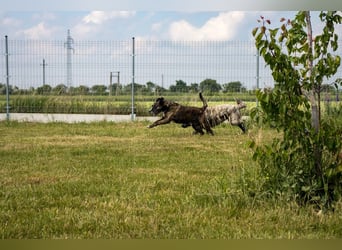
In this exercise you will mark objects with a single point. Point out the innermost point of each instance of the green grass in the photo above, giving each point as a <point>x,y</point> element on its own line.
<point>124,181</point>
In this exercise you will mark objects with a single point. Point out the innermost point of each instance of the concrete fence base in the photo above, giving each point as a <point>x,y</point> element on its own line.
<point>72,118</point>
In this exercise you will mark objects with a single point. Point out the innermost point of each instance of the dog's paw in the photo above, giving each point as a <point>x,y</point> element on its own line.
<point>185,125</point>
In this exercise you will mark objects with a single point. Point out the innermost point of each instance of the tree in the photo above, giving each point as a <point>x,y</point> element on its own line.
<point>2,89</point>
<point>115,89</point>
<point>159,90</point>
<point>179,87</point>
<point>99,89</point>
<point>80,90</point>
<point>150,86</point>
<point>294,164</point>
<point>233,87</point>
<point>60,89</point>
<point>194,87</point>
<point>210,86</point>
<point>11,89</point>
<point>83,90</point>
<point>138,88</point>
<point>44,90</point>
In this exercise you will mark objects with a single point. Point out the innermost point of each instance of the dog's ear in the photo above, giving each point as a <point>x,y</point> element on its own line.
<point>161,100</point>
<point>238,101</point>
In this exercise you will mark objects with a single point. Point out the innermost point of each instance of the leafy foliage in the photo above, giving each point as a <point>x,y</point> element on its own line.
<point>209,86</point>
<point>304,163</point>
<point>233,87</point>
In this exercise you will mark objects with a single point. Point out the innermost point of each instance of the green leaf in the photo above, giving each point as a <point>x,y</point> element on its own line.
<point>254,31</point>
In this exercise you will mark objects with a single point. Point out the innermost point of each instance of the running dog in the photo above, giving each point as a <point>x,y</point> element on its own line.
<point>215,115</point>
<point>172,111</point>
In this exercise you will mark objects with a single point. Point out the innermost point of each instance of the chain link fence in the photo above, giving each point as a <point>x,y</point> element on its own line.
<point>39,70</point>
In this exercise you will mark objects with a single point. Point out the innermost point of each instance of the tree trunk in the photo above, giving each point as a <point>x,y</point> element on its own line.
<point>314,99</point>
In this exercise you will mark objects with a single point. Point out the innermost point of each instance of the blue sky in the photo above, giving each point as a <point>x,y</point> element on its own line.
<point>149,19</point>
<point>147,25</point>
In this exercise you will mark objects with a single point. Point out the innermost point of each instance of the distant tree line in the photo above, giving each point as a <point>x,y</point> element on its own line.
<point>208,86</point>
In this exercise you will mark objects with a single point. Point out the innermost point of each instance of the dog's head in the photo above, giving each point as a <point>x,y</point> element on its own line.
<point>158,106</point>
<point>240,104</point>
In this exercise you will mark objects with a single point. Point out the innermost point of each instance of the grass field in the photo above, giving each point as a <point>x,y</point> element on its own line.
<point>106,104</point>
<point>122,180</point>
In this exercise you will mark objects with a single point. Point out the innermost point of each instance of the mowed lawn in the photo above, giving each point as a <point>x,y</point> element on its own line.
<point>124,181</point>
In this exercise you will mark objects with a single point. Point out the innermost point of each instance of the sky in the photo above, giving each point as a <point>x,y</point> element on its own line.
<point>148,20</point>
<point>198,20</point>
<point>145,25</point>
<point>216,25</point>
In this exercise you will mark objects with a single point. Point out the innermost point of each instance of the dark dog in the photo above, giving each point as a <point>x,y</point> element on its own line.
<point>177,113</point>
<point>215,115</point>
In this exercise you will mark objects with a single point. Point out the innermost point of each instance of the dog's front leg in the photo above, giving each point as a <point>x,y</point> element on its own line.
<point>159,122</point>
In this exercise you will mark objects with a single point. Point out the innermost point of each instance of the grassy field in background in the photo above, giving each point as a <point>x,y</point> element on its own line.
<point>87,104</point>
<point>124,181</point>
<point>120,105</point>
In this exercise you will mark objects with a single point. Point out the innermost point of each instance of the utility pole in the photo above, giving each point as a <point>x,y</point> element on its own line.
<point>69,46</point>
<point>117,83</point>
<point>110,83</point>
<point>162,84</point>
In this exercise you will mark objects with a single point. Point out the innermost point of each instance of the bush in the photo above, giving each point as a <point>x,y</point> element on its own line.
<point>304,163</point>
<point>288,165</point>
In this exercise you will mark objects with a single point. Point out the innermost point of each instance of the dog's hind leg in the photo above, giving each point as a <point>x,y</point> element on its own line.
<point>242,127</point>
<point>198,129</point>
<point>209,130</point>
<point>235,120</point>
<point>207,125</point>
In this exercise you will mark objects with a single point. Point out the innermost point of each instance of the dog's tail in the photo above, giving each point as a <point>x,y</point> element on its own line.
<point>205,104</point>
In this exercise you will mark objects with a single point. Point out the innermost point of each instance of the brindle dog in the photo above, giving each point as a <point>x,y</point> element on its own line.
<point>177,113</point>
<point>215,115</point>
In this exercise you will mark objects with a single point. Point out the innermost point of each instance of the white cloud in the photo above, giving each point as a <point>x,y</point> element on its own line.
<point>222,27</point>
<point>40,31</point>
<point>98,17</point>
<point>10,22</point>
<point>93,23</point>
<point>81,30</point>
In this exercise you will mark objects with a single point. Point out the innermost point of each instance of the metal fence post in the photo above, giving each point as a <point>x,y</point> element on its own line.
<point>133,76</point>
<point>44,65</point>
<point>7,82</point>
